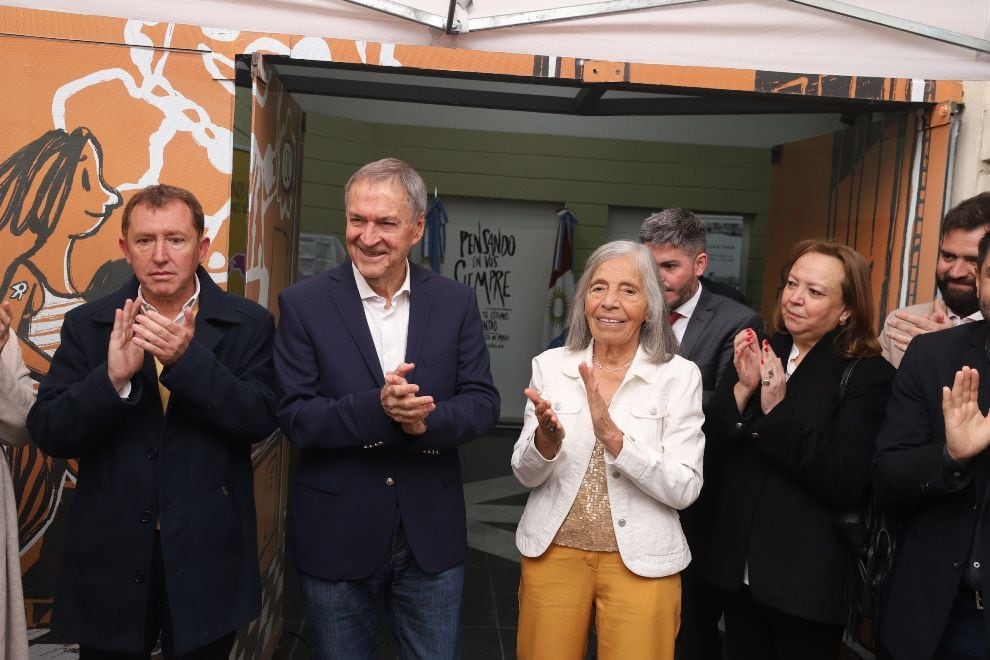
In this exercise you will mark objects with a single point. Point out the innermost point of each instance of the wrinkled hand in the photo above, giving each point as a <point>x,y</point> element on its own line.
<point>773,384</point>
<point>124,356</point>
<point>903,327</point>
<point>967,430</point>
<point>549,432</point>
<point>605,428</point>
<point>5,321</point>
<point>746,360</point>
<point>167,340</point>
<point>400,403</point>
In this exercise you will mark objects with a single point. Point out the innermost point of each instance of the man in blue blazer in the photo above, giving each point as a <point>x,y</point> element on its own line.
<point>705,324</point>
<point>382,373</point>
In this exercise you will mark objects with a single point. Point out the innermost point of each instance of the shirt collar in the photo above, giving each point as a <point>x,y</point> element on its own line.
<point>189,304</point>
<point>365,290</point>
<point>687,307</point>
<point>956,319</point>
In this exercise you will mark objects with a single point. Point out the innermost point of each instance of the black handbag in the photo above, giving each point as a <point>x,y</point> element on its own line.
<point>869,531</point>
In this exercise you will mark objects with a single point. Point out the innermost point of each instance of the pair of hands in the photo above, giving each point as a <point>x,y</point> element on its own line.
<point>401,402</point>
<point>550,433</point>
<point>903,327</point>
<point>967,430</point>
<point>135,332</point>
<point>758,367</point>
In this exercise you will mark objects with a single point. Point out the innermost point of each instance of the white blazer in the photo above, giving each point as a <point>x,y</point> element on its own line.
<point>658,408</point>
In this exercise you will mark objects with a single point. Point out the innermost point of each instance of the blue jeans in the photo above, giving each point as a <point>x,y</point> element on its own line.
<point>423,609</point>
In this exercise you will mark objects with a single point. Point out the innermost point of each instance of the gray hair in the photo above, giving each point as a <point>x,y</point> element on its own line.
<point>679,228</point>
<point>655,337</point>
<point>393,169</point>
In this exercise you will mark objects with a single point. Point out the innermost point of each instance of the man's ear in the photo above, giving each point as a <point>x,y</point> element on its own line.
<point>700,264</point>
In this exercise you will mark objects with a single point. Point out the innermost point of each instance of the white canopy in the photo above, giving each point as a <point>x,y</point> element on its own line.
<point>772,35</point>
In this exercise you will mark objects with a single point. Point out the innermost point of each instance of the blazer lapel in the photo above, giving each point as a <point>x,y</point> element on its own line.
<point>697,323</point>
<point>420,305</point>
<point>344,293</point>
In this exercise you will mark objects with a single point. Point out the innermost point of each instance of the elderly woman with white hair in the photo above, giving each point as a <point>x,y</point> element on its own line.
<point>612,447</point>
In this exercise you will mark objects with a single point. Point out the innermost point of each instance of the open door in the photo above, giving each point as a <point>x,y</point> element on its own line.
<point>878,186</point>
<point>269,265</point>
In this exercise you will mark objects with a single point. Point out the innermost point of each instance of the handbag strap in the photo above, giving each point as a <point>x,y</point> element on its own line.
<point>846,375</point>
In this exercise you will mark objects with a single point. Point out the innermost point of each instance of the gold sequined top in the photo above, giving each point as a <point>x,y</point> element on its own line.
<point>588,525</point>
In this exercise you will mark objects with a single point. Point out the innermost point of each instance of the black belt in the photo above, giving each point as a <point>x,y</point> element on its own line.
<point>972,597</point>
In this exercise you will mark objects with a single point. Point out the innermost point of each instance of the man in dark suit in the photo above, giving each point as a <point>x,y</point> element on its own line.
<point>705,324</point>
<point>159,390</point>
<point>383,372</point>
<point>932,464</point>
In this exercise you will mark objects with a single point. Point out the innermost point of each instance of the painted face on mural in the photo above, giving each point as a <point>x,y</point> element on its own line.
<point>164,249</point>
<point>955,270</point>
<point>91,200</point>
<point>381,231</point>
<point>678,272</point>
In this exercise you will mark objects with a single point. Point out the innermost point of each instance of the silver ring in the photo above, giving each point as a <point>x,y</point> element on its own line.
<point>765,381</point>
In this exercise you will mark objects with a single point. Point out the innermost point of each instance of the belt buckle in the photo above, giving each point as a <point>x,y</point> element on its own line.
<point>978,599</point>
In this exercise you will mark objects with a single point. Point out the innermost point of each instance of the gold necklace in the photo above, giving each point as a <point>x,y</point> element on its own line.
<point>613,370</point>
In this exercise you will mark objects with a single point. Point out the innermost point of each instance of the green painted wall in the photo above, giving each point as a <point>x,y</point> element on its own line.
<point>586,174</point>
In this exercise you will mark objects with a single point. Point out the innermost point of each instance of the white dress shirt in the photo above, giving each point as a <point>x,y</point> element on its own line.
<point>387,321</point>
<point>685,310</point>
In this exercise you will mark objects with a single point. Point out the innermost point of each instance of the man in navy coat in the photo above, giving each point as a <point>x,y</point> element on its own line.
<point>382,373</point>
<point>932,467</point>
<point>159,390</point>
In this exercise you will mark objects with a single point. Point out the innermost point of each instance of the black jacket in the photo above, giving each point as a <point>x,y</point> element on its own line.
<point>938,509</point>
<point>190,468</point>
<point>782,477</point>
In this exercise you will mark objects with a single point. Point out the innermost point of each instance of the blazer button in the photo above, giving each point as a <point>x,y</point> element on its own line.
<point>756,436</point>
<point>145,516</point>
<point>556,406</point>
<point>739,426</point>
<point>622,522</point>
<point>616,474</point>
<point>653,411</point>
<point>389,481</point>
<point>139,577</point>
<point>151,454</point>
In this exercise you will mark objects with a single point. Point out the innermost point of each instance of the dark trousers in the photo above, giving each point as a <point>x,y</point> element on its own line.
<point>701,608</point>
<point>965,635</point>
<point>756,632</point>
<point>159,620</point>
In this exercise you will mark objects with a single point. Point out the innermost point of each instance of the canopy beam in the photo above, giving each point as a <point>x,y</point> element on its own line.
<point>451,25</point>
<point>897,23</point>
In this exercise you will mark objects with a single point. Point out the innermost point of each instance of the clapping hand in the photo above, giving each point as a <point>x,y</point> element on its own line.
<point>124,357</point>
<point>773,380</point>
<point>967,430</point>
<point>903,327</point>
<point>549,432</point>
<point>605,428</point>
<point>400,401</point>
<point>746,359</point>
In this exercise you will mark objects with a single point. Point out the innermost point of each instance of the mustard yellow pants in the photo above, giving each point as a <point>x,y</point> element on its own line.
<point>635,617</point>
